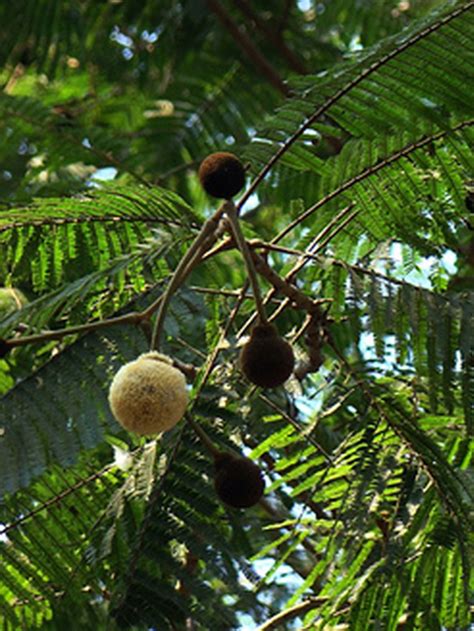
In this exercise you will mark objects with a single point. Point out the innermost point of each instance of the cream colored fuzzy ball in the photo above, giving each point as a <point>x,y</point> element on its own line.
<point>148,395</point>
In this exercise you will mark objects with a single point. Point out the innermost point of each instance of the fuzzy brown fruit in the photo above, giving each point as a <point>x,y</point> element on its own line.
<point>238,481</point>
<point>267,360</point>
<point>222,175</point>
<point>148,395</point>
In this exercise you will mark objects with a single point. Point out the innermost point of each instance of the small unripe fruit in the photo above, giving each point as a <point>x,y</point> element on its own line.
<point>222,175</point>
<point>267,360</point>
<point>148,395</point>
<point>238,481</point>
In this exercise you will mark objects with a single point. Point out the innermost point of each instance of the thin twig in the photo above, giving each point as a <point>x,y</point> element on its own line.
<point>405,151</point>
<point>212,358</point>
<point>301,431</point>
<point>274,36</point>
<point>203,437</point>
<point>303,262</point>
<point>128,318</point>
<point>344,90</point>
<point>177,169</point>
<point>52,501</point>
<point>294,295</point>
<point>227,293</point>
<point>184,266</point>
<point>247,46</point>
<point>249,262</point>
<point>281,618</point>
<point>292,273</point>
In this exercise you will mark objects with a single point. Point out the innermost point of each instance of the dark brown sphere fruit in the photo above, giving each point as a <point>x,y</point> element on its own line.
<point>222,175</point>
<point>267,360</point>
<point>238,481</point>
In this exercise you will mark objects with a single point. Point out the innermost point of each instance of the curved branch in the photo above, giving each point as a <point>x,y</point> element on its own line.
<point>248,258</point>
<point>347,88</point>
<point>291,613</point>
<point>368,172</point>
<point>248,47</point>
<point>273,35</point>
<point>188,261</point>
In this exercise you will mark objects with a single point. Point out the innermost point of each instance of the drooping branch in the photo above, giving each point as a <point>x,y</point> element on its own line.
<point>201,434</point>
<point>329,102</point>
<point>248,258</point>
<point>291,613</point>
<point>274,36</point>
<point>189,260</point>
<point>297,297</point>
<point>248,47</point>
<point>369,171</point>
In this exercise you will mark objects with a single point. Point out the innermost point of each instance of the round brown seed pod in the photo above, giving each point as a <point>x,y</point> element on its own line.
<point>148,395</point>
<point>222,175</point>
<point>238,481</point>
<point>267,360</point>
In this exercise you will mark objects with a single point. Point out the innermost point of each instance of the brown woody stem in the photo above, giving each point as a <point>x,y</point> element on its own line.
<point>184,267</point>
<point>203,437</point>
<point>299,299</point>
<point>246,253</point>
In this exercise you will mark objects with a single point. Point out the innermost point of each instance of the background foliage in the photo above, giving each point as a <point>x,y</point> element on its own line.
<point>360,115</point>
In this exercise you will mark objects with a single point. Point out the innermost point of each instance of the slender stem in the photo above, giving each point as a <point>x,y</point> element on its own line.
<point>150,310</point>
<point>244,249</point>
<point>203,437</point>
<point>302,431</point>
<point>182,270</point>
<point>297,297</point>
<point>128,318</point>
<point>273,35</point>
<point>187,264</point>
<point>329,102</point>
<point>212,357</point>
<point>298,266</point>
<point>281,618</point>
<point>228,293</point>
<point>248,47</point>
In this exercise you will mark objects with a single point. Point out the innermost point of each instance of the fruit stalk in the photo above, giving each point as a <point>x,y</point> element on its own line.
<point>245,251</point>
<point>180,273</point>
<point>203,437</point>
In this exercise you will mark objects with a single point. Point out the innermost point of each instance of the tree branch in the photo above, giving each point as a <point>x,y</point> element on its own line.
<point>405,151</point>
<point>189,260</point>
<point>293,612</point>
<point>274,36</point>
<point>248,47</point>
<point>344,90</point>
<point>248,258</point>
